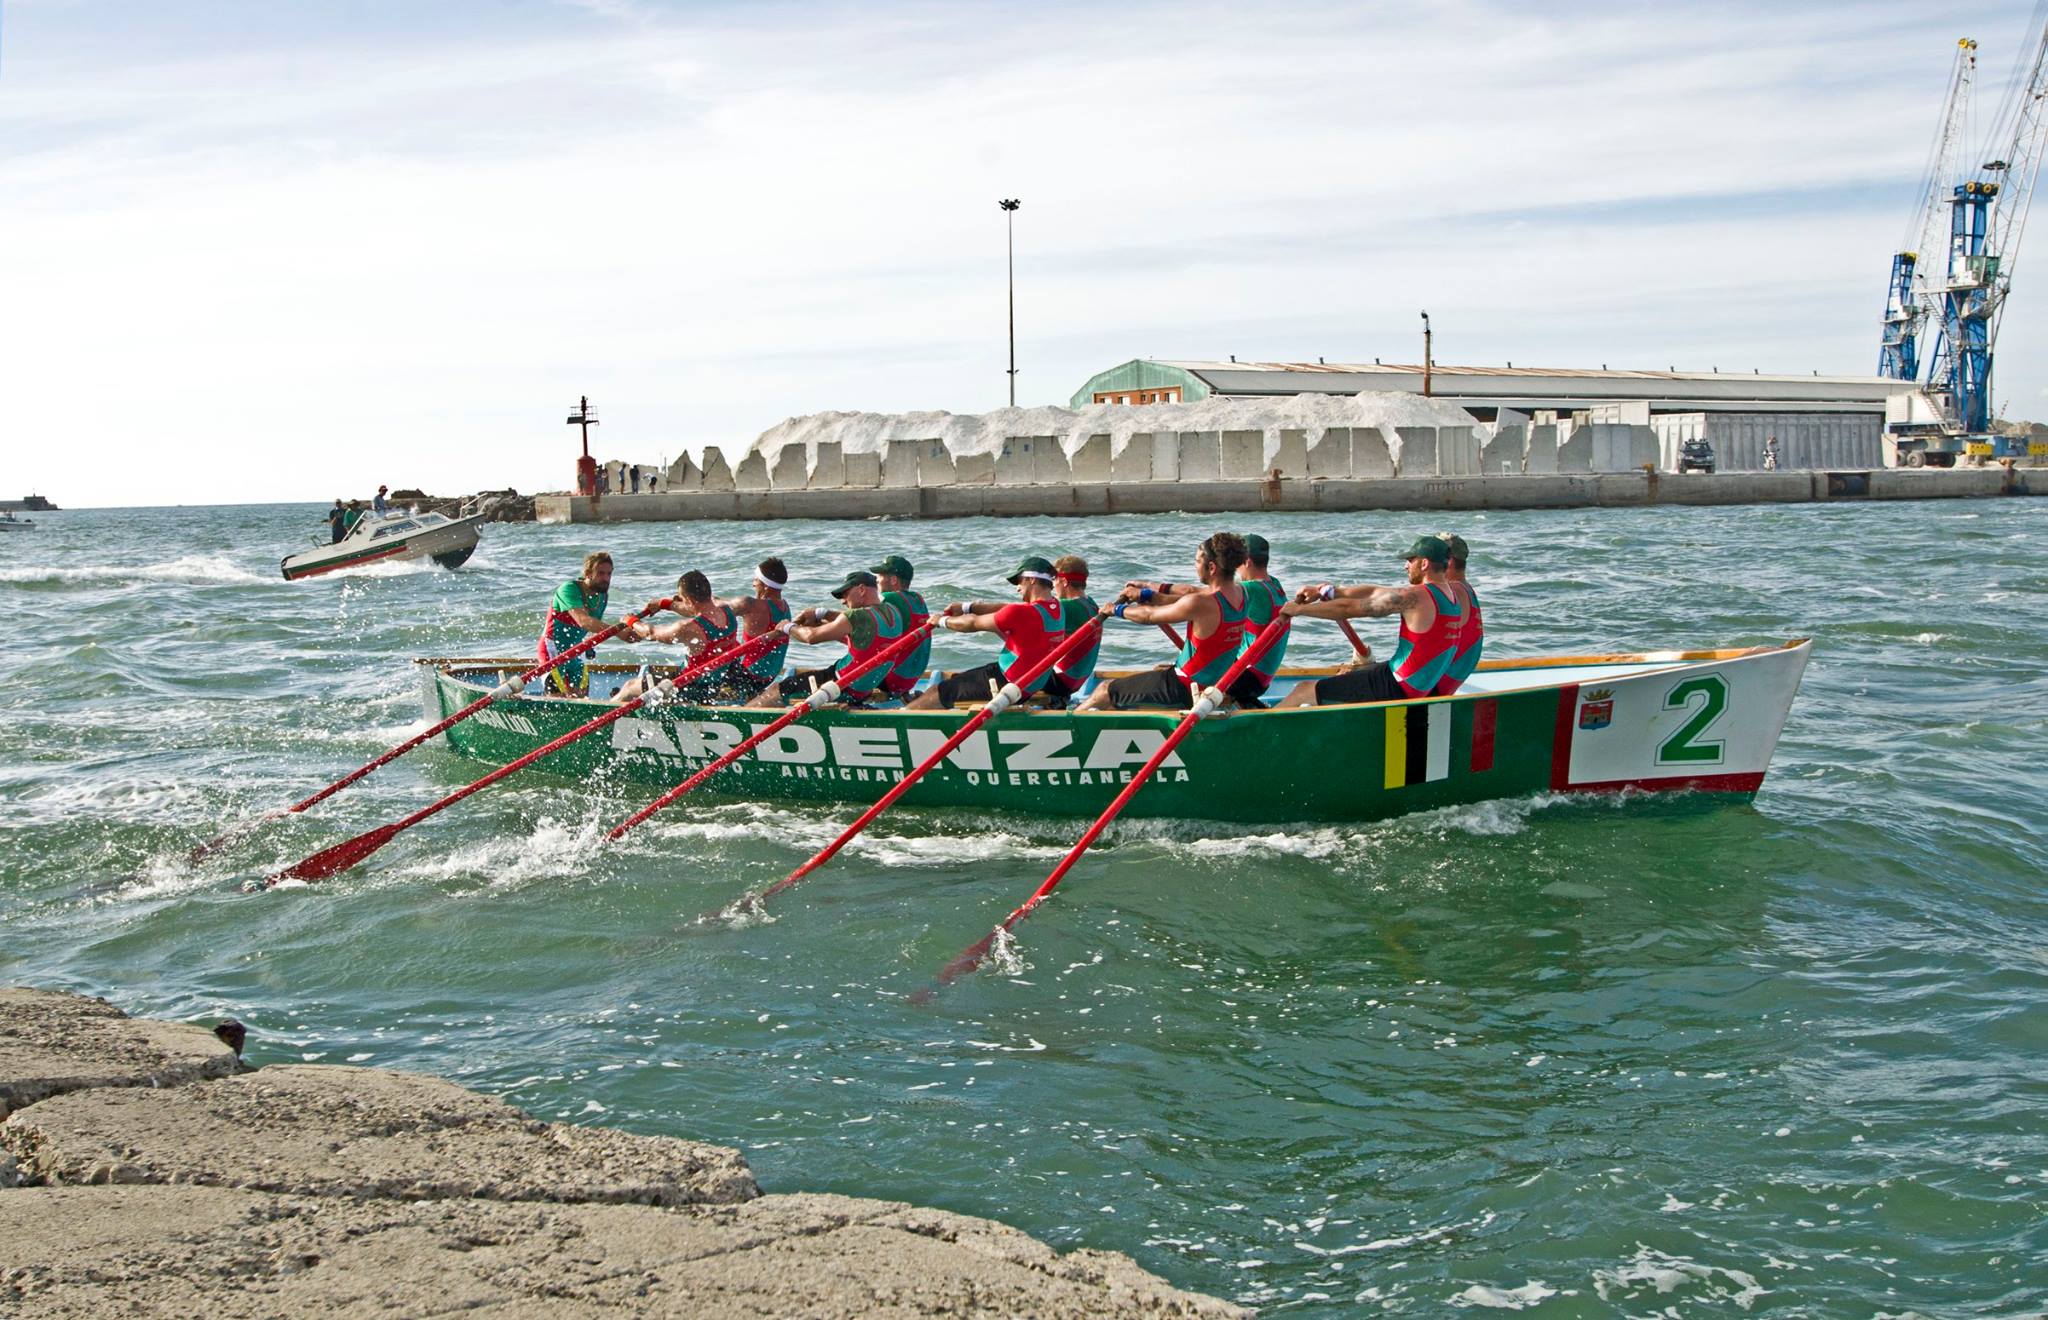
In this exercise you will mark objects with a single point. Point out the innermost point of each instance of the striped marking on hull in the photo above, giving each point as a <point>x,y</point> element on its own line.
<point>1418,744</point>
<point>355,562</point>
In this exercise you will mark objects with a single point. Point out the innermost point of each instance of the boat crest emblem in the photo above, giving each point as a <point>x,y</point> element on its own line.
<point>1596,709</point>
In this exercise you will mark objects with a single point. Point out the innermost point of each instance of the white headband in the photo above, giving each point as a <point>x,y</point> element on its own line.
<point>1033,573</point>
<point>768,582</point>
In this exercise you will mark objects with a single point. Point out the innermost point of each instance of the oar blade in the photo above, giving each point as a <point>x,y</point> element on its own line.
<point>339,858</point>
<point>233,835</point>
<point>970,958</point>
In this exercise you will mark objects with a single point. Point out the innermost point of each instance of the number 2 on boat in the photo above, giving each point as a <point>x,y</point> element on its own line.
<point>1684,747</point>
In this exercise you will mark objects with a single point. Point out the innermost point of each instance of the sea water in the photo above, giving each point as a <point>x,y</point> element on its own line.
<point>1582,1056</point>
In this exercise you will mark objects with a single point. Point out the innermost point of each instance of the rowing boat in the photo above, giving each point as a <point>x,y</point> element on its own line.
<point>1695,721</point>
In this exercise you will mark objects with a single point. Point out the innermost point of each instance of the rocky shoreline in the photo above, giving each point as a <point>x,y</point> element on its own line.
<point>145,1169</point>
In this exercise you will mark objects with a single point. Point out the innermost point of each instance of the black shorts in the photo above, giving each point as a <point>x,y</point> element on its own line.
<point>1374,682</point>
<point>1165,687</point>
<point>968,685</point>
<point>1059,689</point>
<point>731,686</point>
<point>801,683</point>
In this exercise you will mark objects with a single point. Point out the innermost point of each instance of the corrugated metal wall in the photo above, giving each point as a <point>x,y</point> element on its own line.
<point>1827,441</point>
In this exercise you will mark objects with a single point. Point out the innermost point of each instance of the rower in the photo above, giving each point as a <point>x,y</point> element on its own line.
<point>1215,617</point>
<point>867,625</point>
<point>893,575</point>
<point>1263,597</point>
<point>1031,627</point>
<point>707,629</point>
<point>1474,640</point>
<point>1077,610</point>
<point>1432,626</point>
<point>576,611</point>
<point>759,614</point>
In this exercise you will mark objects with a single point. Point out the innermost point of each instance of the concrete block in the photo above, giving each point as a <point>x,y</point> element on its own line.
<point>1457,452</point>
<point>1418,452</point>
<point>1201,456</point>
<point>791,468</point>
<point>1290,460</point>
<point>1049,466</point>
<point>863,470</point>
<point>1243,455</point>
<point>899,463</point>
<point>828,466</point>
<point>1505,450</point>
<point>717,475</point>
<point>52,1043</point>
<point>935,464</point>
<point>1166,456</point>
<point>1133,462</point>
<point>1541,456</point>
<point>974,469</point>
<point>1575,452</point>
<point>1329,458</point>
<point>752,473</point>
<point>1371,456</point>
<point>1015,464</point>
<point>1642,446</point>
<point>1091,462</point>
<point>684,474</point>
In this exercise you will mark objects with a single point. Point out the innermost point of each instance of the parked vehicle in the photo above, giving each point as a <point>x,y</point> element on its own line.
<point>1695,455</point>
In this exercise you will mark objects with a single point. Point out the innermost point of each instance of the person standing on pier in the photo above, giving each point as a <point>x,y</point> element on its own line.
<point>1031,626</point>
<point>1215,619</point>
<point>893,575</point>
<point>575,612</point>
<point>867,625</point>
<point>1077,607</point>
<point>761,613</point>
<point>1432,627</point>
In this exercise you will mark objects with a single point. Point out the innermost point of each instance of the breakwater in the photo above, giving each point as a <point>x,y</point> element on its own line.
<point>145,1167</point>
<point>1025,491</point>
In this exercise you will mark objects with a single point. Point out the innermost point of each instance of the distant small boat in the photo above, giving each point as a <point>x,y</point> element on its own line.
<point>10,523</point>
<point>447,541</point>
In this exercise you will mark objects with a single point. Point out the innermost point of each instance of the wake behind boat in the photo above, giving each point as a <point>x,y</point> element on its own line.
<point>447,541</point>
<point>1700,721</point>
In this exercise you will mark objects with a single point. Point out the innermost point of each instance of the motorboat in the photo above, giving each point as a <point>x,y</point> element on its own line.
<point>447,541</point>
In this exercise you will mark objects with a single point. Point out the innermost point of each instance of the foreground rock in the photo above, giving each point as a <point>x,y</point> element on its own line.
<point>51,1043</point>
<point>331,1131</point>
<point>297,1190</point>
<point>92,1251</point>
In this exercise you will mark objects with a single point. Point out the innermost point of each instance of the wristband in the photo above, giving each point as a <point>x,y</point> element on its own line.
<point>1144,595</point>
<point>1165,587</point>
<point>1328,592</point>
<point>1119,610</point>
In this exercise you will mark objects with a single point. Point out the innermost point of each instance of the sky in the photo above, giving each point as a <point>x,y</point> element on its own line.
<point>263,252</point>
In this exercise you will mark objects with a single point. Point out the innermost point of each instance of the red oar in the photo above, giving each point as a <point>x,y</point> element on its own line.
<point>1171,635</point>
<point>343,855</point>
<point>1205,705</point>
<point>1357,643</point>
<point>510,687</point>
<point>826,694</point>
<point>1010,695</point>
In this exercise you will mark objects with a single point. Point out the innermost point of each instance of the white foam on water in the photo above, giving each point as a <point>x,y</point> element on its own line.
<point>951,849</point>
<point>1655,1270</point>
<point>553,851</point>
<point>1505,1299</point>
<point>192,570</point>
<point>1006,955</point>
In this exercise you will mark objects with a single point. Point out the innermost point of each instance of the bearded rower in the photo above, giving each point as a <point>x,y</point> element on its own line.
<point>867,625</point>
<point>893,576</point>
<point>1474,640</point>
<point>1432,627</point>
<point>1215,619</point>
<point>762,612</point>
<point>1031,627</point>
<point>575,612</point>
<point>1077,610</point>
<point>708,629</point>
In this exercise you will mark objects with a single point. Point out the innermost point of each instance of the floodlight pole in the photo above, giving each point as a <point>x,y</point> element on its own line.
<point>1428,361</point>
<point>1010,205</point>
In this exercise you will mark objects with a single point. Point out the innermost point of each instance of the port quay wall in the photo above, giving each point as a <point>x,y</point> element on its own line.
<point>918,479</point>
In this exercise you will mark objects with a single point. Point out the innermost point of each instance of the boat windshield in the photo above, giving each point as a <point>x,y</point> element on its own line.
<point>395,529</point>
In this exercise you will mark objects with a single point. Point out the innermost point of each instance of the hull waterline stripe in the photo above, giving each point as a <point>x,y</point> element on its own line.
<point>348,563</point>
<point>1748,781</point>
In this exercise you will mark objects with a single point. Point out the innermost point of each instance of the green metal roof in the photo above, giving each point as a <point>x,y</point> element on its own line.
<point>1139,374</point>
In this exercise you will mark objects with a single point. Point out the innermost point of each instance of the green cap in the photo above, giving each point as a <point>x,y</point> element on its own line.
<point>1431,548</point>
<point>895,566</point>
<point>856,578</point>
<point>1257,547</point>
<point>1460,552</point>
<point>1032,566</point>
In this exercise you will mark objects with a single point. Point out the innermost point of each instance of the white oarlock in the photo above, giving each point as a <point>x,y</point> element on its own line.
<point>824,696</point>
<point>1008,697</point>
<point>1209,703</point>
<point>511,687</point>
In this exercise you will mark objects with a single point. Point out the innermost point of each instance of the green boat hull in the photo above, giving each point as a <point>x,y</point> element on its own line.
<point>1572,725</point>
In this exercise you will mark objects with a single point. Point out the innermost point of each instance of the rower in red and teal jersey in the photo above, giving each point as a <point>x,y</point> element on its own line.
<point>709,629</point>
<point>576,611</point>
<point>1263,599</point>
<point>1432,618</point>
<point>893,575</point>
<point>867,625</point>
<point>1032,627</point>
<point>1215,619</point>
<point>1473,642</point>
<point>1077,610</point>
<point>761,613</point>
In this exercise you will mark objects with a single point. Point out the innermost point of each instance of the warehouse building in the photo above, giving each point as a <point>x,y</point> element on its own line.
<point>1812,421</point>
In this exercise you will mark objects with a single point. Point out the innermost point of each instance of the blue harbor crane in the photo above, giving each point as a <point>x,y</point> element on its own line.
<point>1986,211</point>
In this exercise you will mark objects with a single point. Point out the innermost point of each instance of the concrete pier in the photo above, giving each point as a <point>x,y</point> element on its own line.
<point>986,493</point>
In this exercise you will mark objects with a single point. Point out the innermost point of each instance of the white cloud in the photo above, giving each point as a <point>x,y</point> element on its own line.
<point>296,268</point>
